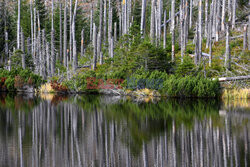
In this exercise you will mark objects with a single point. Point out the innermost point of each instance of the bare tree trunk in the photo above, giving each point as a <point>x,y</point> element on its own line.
<point>115,32</point>
<point>43,43</point>
<point>23,49</point>
<point>173,29</point>
<point>75,60</point>
<point>28,46</point>
<point>206,18</point>
<point>82,43</point>
<point>227,54</point>
<point>100,29</point>
<point>32,28</point>
<point>165,30</point>
<point>233,13</point>
<point>98,44</point>
<point>105,22</point>
<point>70,30</point>
<point>159,20</point>
<point>125,16</point>
<point>210,35</point>
<point>223,15</point>
<point>229,10</point>
<point>181,28</point>
<point>95,47</point>
<point>120,24</point>
<point>61,47</point>
<point>191,14</point>
<point>248,32</point>
<point>218,17</point>
<point>210,22</point>
<point>52,40</point>
<point>35,58</point>
<point>39,50</point>
<point>52,53</point>
<point>214,17</point>
<point>200,30</point>
<point>112,47</point>
<point>6,35</point>
<point>101,58</point>
<point>91,23</point>
<point>128,13</point>
<point>196,41</point>
<point>143,15</point>
<point>48,59</point>
<point>185,26</point>
<point>156,23</point>
<point>65,58</point>
<point>152,21</point>
<point>18,24</point>
<point>110,25</point>
<point>245,38</point>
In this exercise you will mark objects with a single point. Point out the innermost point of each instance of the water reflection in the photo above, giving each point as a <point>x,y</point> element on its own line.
<point>110,131</point>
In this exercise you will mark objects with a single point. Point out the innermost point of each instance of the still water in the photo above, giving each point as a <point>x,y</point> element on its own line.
<point>96,130</point>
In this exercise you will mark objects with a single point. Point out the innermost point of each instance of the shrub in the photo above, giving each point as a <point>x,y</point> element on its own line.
<point>189,86</point>
<point>58,86</point>
<point>17,78</point>
<point>185,68</point>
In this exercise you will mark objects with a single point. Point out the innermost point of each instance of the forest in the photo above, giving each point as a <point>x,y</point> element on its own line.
<point>185,43</point>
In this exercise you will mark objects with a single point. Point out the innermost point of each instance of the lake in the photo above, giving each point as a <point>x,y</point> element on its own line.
<point>93,130</point>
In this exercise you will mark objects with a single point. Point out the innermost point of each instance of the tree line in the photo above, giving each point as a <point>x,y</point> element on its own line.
<point>46,34</point>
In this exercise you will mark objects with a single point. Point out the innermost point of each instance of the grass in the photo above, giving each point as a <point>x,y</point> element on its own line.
<point>236,93</point>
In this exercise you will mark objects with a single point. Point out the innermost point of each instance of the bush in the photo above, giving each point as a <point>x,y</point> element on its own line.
<point>17,78</point>
<point>185,68</point>
<point>189,86</point>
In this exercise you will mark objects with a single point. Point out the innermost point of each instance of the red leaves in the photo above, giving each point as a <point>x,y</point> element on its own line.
<point>58,86</point>
<point>2,83</point>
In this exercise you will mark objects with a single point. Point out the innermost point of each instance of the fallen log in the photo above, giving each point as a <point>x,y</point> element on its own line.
<point>223,79</point>
<point>239,36</point>
<point>203,54</point>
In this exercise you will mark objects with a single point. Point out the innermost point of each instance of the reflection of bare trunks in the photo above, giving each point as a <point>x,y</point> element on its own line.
<point>104,131</point>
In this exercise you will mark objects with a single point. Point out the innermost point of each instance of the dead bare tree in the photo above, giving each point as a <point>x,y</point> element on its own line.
<point>75,59</point>
<point>52,40</point>
<point>110,24</point>
<point>18,23</point>
<point>227,53</point>
<point>143,16</point>
<point>65,58</point>
<point>99,48</point>
<point>105,22</point>
<point>91,23</point>
<point>245,38</point>
<point>6,34</point>
<point>173,29</point>
<point>60,35</point>
<point>82,43</point>
<point>248,32</point>
<point>200,30</point>
<point>95,47</point>
<point>165,29</point>
<point>223,14</point>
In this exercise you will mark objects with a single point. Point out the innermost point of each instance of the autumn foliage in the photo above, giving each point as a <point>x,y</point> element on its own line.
<point>58,86</point>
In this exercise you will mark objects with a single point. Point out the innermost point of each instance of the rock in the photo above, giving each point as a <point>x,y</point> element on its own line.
<point>26,89</point>
<point>115,92</point>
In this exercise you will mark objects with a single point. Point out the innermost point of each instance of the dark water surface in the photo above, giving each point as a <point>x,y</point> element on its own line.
<point>96,130</point>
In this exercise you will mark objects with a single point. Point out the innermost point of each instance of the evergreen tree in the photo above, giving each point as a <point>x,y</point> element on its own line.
<point>43,15</point>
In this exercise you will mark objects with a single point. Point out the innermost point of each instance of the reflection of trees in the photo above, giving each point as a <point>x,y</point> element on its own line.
<point>146,121</point>
<point>23,102</point>
<point>95,133</point>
